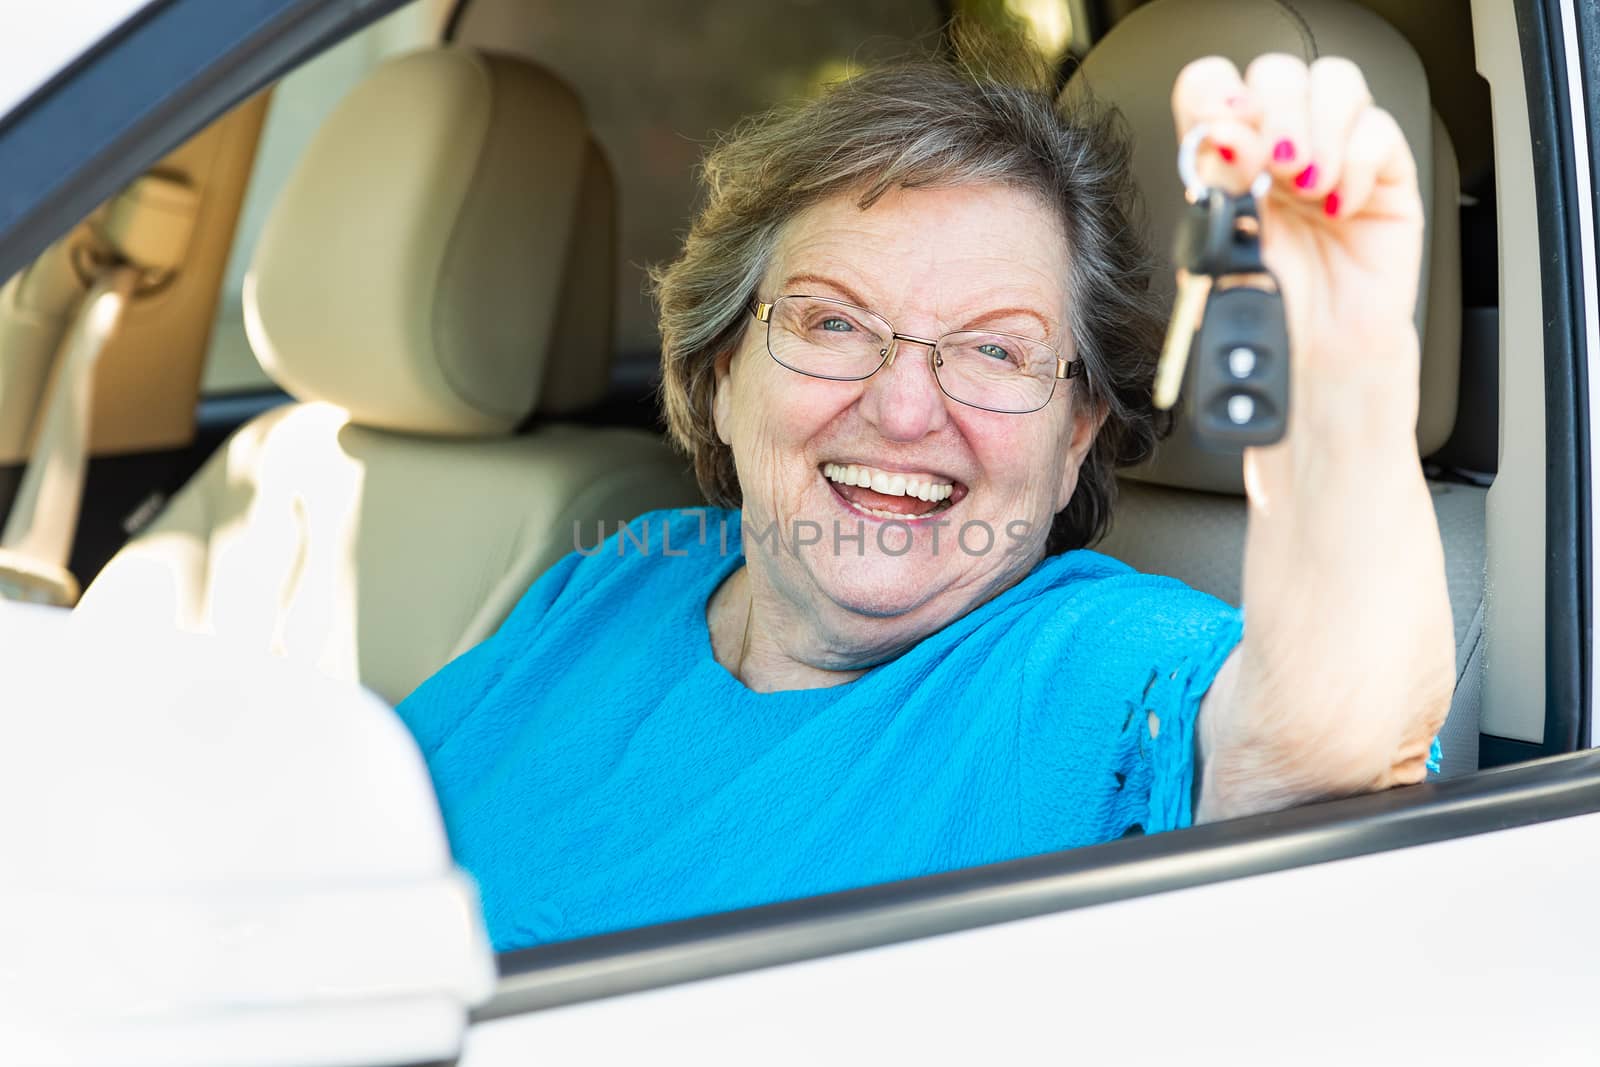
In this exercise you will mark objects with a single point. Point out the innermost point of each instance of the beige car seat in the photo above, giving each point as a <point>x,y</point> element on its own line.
<point>438,272</point>
<point>1183,513</point>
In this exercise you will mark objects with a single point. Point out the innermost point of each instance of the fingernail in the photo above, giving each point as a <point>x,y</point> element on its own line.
<point>1283,151</point>
<point>1306,178</point>
<point>1226,153</point>
<point>1330,206</point>
<point>1234,101</point>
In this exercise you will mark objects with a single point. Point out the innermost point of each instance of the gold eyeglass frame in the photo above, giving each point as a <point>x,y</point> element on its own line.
<point>1065,368</point>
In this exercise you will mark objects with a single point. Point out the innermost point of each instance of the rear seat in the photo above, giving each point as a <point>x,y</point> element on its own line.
<point>1183,513</point>
<point>438,272</point>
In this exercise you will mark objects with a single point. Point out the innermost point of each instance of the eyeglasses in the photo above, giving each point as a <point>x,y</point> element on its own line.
<point>830,339</point>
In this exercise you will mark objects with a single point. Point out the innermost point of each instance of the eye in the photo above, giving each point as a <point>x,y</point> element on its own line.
<point>994,351</point>
<point>834,324</point>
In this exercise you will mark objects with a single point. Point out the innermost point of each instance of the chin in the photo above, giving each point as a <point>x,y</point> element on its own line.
<point>879,586</point>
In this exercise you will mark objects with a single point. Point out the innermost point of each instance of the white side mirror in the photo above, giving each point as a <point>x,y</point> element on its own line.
<point>208,857</point>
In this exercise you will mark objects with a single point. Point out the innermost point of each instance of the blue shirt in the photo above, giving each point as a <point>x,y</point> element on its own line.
<point>598,769</point>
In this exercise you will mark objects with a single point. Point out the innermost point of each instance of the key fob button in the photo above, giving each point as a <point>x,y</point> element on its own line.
<point>1239,373</point>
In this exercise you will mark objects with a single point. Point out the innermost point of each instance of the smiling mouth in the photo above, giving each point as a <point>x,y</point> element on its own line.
<point>897,495</point>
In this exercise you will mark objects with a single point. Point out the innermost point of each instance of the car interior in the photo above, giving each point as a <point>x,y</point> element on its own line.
<point>441,285</point>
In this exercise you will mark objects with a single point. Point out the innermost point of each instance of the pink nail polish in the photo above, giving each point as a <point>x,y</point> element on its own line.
<point>1226,153</point>
<point>1306,178</point>
<point>1283,151</point>
<point>1330,206</point>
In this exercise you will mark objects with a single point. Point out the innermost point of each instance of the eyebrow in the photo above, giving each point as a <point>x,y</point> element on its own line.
<point>817,279</point>
<point>1001,313</point>
<point>853,297</point>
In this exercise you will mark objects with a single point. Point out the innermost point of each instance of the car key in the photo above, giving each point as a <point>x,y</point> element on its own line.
<point>1239,383</point>
<point>1239,378</point>
<point>1228,315</point>
<point>1203,234</point>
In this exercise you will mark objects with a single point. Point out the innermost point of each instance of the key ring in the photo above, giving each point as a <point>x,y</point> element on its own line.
<point>1195,190</point>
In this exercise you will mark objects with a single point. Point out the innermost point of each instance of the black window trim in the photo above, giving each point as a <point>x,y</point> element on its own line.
<point>71,68</point>
<point>1579,44</point>
<point>1568,619</point>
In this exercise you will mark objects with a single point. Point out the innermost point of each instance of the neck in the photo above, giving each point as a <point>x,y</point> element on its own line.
<point>773,638</point>
<point>760,638</point>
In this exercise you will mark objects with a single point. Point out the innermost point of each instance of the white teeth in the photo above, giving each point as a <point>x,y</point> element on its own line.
<point>887,483</point>
<point>880,513</point>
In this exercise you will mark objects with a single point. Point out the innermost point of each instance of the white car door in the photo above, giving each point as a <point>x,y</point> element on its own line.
<point>1385,958</point>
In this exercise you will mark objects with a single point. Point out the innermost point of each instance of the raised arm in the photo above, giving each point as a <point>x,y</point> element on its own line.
<point>1346,667</point>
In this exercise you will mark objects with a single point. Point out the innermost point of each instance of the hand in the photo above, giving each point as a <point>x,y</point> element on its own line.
<point>1347,663</point>
<point>1342,226</point>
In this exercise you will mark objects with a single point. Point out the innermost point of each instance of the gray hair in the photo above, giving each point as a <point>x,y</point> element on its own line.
<point>923,123</point>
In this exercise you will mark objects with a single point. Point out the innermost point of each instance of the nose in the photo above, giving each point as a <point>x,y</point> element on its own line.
<point>903,400</point>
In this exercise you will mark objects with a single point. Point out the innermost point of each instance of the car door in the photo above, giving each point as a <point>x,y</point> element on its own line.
<point>1445,919</point>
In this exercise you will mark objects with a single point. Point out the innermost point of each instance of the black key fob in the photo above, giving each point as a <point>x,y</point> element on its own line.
<point>1238,388</point>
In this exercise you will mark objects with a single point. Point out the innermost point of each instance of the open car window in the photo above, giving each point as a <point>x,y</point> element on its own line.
<point>1524,205</point>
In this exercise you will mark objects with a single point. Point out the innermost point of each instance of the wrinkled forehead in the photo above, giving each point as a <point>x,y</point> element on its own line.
<point>935,255</point>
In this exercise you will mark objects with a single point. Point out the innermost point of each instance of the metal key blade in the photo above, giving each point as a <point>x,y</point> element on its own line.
<point>1193,289</point>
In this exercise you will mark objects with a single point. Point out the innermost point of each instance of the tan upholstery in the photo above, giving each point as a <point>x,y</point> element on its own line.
<point>442,257</point>
<point>438,196</point>
<point>1198,537</point>
<point>1183,514</point>
<point>377,556</point>
<point>1135,65</point>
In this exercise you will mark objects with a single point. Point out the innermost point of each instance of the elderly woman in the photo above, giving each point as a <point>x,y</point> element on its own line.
<point>907,343</point>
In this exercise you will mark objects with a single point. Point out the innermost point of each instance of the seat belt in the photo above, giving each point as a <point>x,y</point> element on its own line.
<point>44,515</point>
<point>143,232</point>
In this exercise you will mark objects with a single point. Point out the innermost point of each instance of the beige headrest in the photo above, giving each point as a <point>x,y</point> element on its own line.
<point>440,250</point>
<point>1134,67</point>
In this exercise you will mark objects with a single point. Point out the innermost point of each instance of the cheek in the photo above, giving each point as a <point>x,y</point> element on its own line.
<point>1025,459</point>
<point>774,420</point>
<point>786,408</point>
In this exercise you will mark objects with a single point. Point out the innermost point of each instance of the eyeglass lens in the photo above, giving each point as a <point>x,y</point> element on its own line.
<point>828,338</point>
